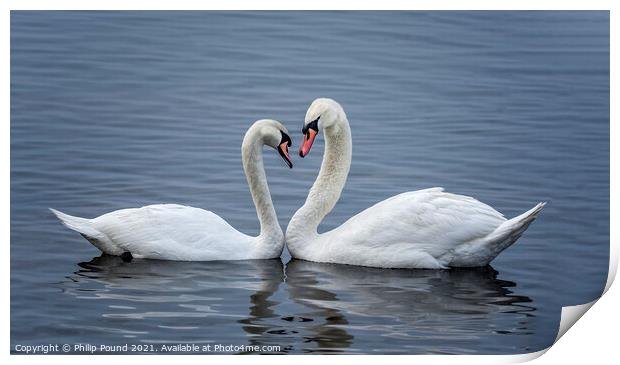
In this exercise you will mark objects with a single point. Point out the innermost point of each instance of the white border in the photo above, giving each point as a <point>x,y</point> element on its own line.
<point>594,335</point>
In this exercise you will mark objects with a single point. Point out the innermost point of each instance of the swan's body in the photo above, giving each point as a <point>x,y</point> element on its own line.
<point>169,232</point>
<point>177,232</point>
<point>428,229</point>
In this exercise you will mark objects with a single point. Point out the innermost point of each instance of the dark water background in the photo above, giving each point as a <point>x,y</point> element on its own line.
<point>112,110</point>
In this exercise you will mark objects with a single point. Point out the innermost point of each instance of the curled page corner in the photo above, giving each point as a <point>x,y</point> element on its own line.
<point>517,359</point>
<point>571,314</point>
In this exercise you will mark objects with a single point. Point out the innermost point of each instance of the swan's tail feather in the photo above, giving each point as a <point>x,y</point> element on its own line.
<point>84,227</point>
<point>510,231</point>
<point>519,224</point>
<point>81,225</point>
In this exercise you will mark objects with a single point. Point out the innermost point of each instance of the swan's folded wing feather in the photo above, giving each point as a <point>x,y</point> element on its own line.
<point>171,231</point>
<point>428,221</point>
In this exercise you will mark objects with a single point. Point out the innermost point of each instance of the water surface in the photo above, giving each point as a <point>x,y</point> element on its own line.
<point>112,110</point>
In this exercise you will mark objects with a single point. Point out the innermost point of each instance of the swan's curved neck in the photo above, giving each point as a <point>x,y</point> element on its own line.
<point>252,155</point>
<point>327,187</point>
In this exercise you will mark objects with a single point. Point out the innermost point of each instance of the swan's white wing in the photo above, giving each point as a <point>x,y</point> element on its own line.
<point>174,232</point>
<point>412,229</point>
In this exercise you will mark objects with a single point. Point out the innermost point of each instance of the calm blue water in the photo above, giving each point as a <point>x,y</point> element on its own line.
<point>112,110</point>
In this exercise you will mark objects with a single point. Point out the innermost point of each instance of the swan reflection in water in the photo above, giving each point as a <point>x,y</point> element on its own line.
<point>307,307</point>
<point>360,309</point>
<point>169,302</point>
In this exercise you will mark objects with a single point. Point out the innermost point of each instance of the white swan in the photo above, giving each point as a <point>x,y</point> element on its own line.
<point>177,232</point>
<point>428,229</point>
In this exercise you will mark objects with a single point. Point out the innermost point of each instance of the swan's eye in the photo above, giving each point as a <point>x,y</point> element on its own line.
<point>282,148</point>
<point>312,125</point>
<point>286,139</point>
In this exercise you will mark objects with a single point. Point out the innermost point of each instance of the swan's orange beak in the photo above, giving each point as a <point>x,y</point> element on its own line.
<point>283,151</point>
<point>306,145</point>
